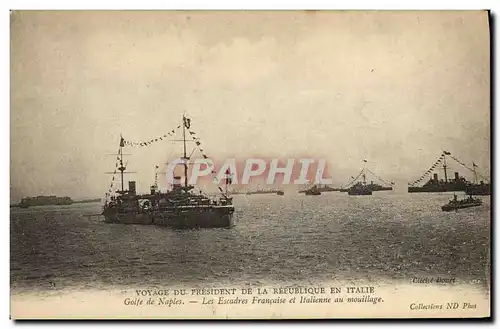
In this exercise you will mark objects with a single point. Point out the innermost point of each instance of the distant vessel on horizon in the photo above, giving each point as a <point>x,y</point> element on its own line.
<point>360,187</point>
<point>313,190</point>
<point>269,191</point>
<point>50,200</point>
<point>324,188</point>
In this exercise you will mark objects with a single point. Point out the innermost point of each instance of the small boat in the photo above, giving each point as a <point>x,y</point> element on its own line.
<point>456,204</point>
<point>280,192</point>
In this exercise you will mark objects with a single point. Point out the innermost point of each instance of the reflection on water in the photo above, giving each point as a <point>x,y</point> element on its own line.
<point>276,239</point>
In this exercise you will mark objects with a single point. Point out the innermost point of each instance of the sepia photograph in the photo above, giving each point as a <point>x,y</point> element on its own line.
<point>204,164</point>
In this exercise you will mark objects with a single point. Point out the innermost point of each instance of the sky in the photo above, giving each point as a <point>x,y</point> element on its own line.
<point>394,88</point>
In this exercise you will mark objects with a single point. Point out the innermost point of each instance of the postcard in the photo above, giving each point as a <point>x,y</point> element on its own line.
<point>250,164</point>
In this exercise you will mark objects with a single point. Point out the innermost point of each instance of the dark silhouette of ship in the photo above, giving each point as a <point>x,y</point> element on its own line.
<point>44,200</point>
<point>359,186</point>
<point>50,200</point>
<point>270,191</point>
<point>178,208</point>
<point>359,189</point>
<point>313,190</point>
<point>456,204</point>
<point>320,188</point>
<point>455,184</point>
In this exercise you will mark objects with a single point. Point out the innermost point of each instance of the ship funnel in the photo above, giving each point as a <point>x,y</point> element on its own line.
<point>456,176</point>
<point>436,177</point>
<point>131,187</point>
<point>177,184</point>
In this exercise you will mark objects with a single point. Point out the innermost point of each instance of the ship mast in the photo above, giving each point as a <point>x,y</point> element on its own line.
<point>444,167</point>
<point>475,173</point>
<point>364,172</point>
<point>185,154</point>
<point>122,167</point>
<point>156,178</point>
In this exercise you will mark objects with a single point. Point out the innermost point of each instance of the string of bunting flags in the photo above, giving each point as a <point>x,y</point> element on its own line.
<point>463,164</point>
<point>187,125</point>
<point>354,179</point>
<point>197,141</point>
<point>431,169</point>
<point>380,178</point>
<point>150,141</point>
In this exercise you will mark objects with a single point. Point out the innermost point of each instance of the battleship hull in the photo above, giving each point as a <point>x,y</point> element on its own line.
<point>436,189</point>
<point>183,217</point>
<point>357,192</point>
<point>479,189</point>
<point>312,193</point>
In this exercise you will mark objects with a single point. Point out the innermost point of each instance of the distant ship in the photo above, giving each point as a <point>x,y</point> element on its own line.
<point>313,190</point>
<point>478,189</point>
<point>43,200</point>
<point>178,208</point>
<point>270,191</point>
<point>51,200</point>
<point>361,187</point>
<point>455,184</point>
<point>324,188</point>
<point>456,204</point>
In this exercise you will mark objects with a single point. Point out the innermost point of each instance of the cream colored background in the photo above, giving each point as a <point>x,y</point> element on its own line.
<point>395,88</point>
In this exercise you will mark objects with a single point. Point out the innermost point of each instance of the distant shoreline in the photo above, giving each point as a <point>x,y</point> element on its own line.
<point>50,201</point>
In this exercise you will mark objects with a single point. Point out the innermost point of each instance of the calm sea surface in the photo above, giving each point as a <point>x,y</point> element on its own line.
<point>291,238</point>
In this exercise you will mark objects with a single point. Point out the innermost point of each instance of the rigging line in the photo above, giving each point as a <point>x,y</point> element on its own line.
<point>354,179</point>
<point>428,172</point>
<point>196,139</point>
<point>472,170</point>
<point>384,181</point>
<point>153,140</point>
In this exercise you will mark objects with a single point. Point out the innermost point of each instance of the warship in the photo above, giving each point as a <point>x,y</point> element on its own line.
<point>324,188</point>
<point>43,200</point>
<point>360,188</point>
<point>51,200</point>
<point>456,204</point>
<point>270,191</point>
<point>178,208</point>
<point>356,187</point>
<point>313,190</point>
<point>455,184</point>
